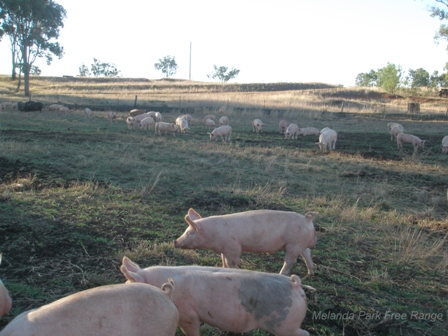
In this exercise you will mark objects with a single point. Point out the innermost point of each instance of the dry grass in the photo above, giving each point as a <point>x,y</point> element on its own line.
<point>224,97</point>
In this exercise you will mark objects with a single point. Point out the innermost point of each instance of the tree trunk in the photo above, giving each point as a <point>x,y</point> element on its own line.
<point>19,82</point>
<point>26,70</point>
<point>13,75</point>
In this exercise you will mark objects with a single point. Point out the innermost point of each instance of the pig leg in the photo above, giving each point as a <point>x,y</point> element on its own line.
<point>231,258</point>
<point>298,332</point>
<point>306,255</point>
<point>292,252</point>
<point>190,326</point>
<point>224,261</point>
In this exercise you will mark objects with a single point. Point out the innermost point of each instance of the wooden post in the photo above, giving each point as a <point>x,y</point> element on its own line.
<point>135,102</point>
<point>413,108</point>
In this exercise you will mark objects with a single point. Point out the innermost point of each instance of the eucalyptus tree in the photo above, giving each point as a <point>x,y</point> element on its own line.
<point>442,14</point>
<point>33,27</point>
<point>167,65</point>
<point>223,73</point>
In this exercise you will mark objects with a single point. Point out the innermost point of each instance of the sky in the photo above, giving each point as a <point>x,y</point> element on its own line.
<point>326,41</point>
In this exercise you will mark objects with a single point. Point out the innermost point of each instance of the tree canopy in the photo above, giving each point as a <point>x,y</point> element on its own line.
<point>33,27</point>
<point>167,65</point>
<point>442,15</point>
<point>104,69</point>
<point>391,78</point>
<point>223,73</point>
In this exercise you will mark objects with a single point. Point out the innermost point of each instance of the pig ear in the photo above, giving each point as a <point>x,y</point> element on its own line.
<point>129,269</point>
<point>193,214</point>
<point>191,223</point>
<point>309,215</point>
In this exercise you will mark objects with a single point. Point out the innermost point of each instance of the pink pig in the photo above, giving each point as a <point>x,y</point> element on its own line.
<point>5,300</point>
<point>230,299</point>
<point>252,231</point>
<point>114,310</point>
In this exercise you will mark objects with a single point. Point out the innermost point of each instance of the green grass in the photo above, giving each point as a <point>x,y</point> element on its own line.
<point>78,194</point>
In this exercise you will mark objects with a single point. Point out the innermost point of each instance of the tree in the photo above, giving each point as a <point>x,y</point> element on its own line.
<point>83,71</point>
<point>223,73</point>
<point>104,69</point>
<point>167,65</point>
<point>367,79</point>
<point>442,15</point>
<point>418,78</point>
<point>36,24</point>
<point>389,77</point>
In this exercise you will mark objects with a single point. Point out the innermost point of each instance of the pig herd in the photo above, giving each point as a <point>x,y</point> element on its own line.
<point>147,120</point>
<point>157,299</point>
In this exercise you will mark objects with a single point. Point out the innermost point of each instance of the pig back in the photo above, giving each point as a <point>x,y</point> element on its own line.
<point>260,230</point>
<point>5,300</point>
<point>241,300</point>
<point>125,309</point>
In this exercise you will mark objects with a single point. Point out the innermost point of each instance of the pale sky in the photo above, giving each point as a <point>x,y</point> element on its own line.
<point>328,41</point>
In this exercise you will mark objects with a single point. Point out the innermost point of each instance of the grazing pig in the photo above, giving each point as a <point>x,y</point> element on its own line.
<point>252,231</point>
<point>55,107</point>
<point>9,105</point>
<point>152,114</point>
<point>282,125</point>
<point>292,131</point>
<point>166,128</point>
<point>146,123</point>
<point>230,299</point>
<point>182,123</point>
<point>20,106</point>
<point>5,300</point>
<point>390,126</point>
<point>136,112</point>
<point>114,310</point>
<point>131,122</point>
<point>308,131</point>
<point>224,120</point>
<point>328,140</point>
<point>257,126</point>
<point>445,144</point>
<point>412,139</point>
<point>209,123</point>
<point>187,117</point>
<point>88,112</point>
<point>324,129</point>
<point>398,129</point>
<point>31,106</point>
<point>64,109</point>
<point>142,116</point>
<point>158,116</point>
<point>112,116</point>
<point>225,132</point>
<point>209,116</point>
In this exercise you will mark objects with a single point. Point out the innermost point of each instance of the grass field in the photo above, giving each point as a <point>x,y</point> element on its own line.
<point>77,194</point>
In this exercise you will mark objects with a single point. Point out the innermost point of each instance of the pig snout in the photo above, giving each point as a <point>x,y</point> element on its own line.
<point>177,244</point>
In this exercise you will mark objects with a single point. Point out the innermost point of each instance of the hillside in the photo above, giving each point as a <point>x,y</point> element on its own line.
<point>123,94</point>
